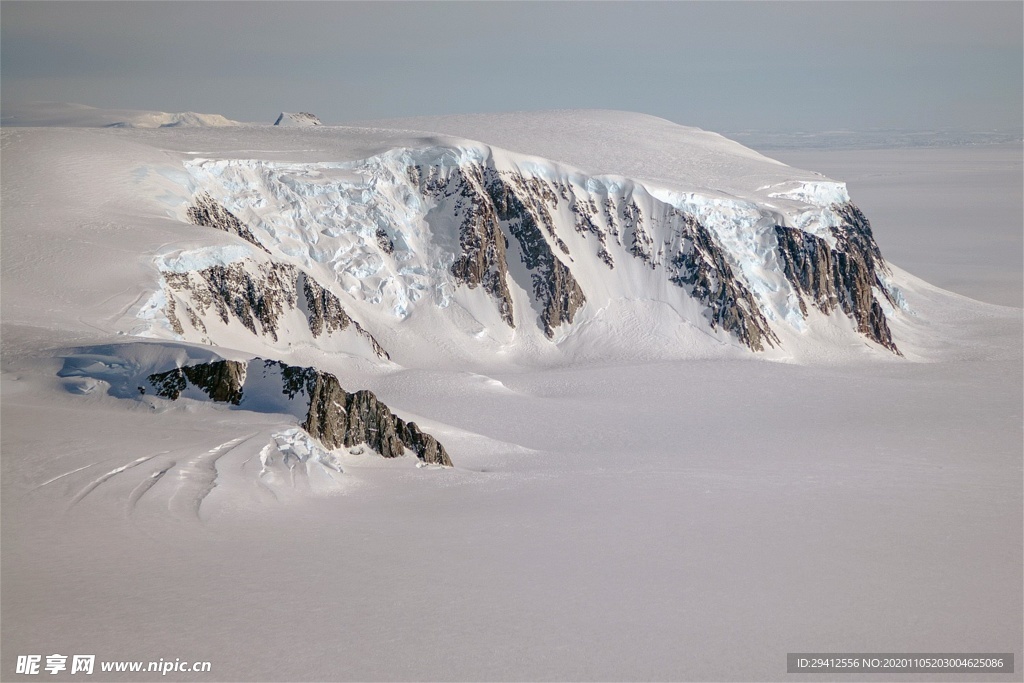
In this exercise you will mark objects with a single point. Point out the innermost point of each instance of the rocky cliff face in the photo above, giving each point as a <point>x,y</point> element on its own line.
<point>221,381</point>
<point>523,205</point>
<point>325,314</point>
<point>255,294</point>
<point>339,418</point>
<point>490,203</point>
<point>487,204</point>
<point>330,414</point>
<point>481,261</point>
<point>701,265</point>
<point>256,291</point>
<point>847,275</point>
<point>405,228</point>
<point>207,212</point>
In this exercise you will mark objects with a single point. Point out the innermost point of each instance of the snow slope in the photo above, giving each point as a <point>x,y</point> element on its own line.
<point>638,496</point>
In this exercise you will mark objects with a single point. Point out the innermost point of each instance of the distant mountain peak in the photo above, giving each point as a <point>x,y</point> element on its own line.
<point>69,115</point>
<point>301,118</point>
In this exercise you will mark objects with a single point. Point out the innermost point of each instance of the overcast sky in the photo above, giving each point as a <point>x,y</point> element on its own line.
<point>770,66</point>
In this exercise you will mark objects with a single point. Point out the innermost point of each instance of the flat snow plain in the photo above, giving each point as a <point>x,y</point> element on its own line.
<point>654,521</point>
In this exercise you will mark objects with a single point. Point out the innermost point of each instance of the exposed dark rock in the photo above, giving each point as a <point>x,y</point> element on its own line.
<point>482,201</point>
<point>222,381</point>
<point>537,197</point>
<point>323,309</point>
<point>332,415</point>
<point>842,276</point>
<point>209,213</point>
<point>171,311</point>
<point>339,418</point>
<point>481,261</point>
<point>554,286</point>
<point>488,207</point>
<point>701,265</point>
<point>610,216</point>
<point>640,243</point>
<point>257,295</point>
<point>263,297</point>
<point>426,447</point>
<point>168,384</point>
<point>586,212</point>
<point>808,265</point>
<point>386,244</point>
<point>324,313</point>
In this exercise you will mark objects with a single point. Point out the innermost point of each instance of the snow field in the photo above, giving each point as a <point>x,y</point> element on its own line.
<point>640,500</point>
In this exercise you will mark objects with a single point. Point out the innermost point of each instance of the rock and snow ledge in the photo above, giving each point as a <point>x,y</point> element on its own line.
<point>298,119</point>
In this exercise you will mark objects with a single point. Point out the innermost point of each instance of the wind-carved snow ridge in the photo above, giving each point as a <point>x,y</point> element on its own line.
<point>413,227</point>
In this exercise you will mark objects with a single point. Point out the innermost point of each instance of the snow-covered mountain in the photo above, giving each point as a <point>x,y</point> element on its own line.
<point>493,250</point>
<point>396,247</point>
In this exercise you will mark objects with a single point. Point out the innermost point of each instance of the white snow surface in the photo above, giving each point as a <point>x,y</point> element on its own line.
<point>639,498</point>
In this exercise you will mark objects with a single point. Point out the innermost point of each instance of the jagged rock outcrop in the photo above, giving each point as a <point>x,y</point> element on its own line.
<point>427,448</point>
<point>323,308</point>
<point>325,313</point>
<point>694,259</point>
<point>554,286</point>
<point>206,211</point>
<point>330,414</point>
<point>221,380</point>
<point>482,258</point>
<point>846,276</point>
<point>386,244</point>
<point>701,265</point>
<point>484,202</point>
<point>339,418</point>
<point>256,293</point>
<point>586,213</point>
